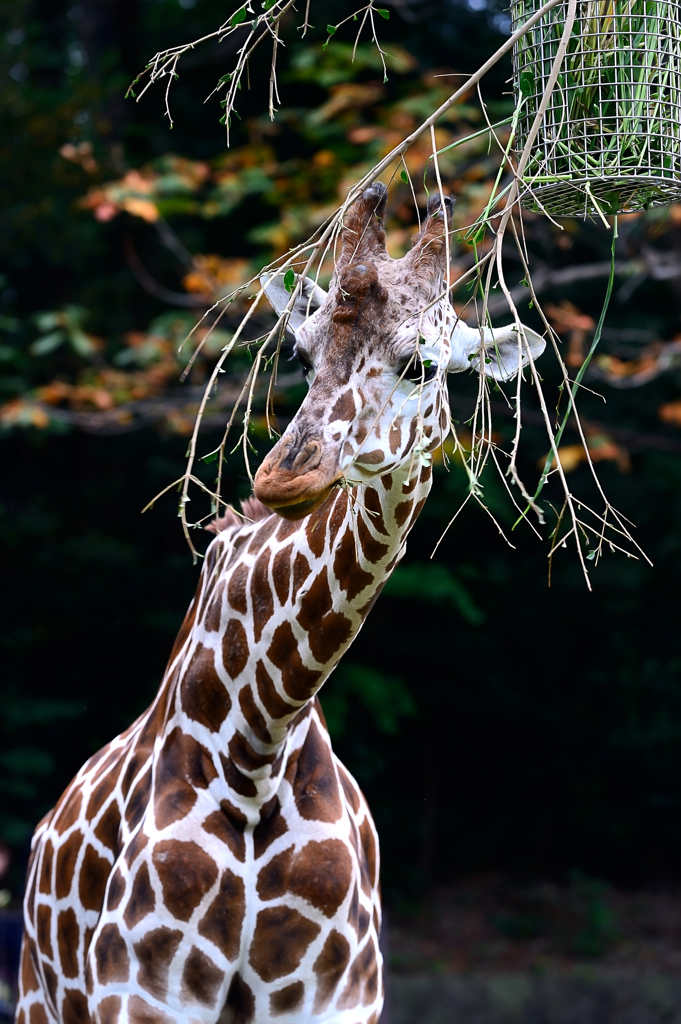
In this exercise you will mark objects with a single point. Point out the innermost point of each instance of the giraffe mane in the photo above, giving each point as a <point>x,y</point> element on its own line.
<point>252,510</point>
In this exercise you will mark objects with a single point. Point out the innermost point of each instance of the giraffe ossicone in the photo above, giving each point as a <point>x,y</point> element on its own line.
<point>216,862</point>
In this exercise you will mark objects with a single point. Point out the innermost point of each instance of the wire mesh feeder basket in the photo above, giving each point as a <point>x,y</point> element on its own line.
<point>610,141</point>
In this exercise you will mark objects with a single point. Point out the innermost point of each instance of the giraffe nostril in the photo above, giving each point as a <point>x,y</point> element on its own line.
<point>300,458</point>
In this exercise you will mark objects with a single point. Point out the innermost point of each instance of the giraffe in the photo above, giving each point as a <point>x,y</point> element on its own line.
<point>216,863</point>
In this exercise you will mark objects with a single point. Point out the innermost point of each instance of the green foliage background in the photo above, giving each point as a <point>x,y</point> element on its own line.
<point>495,724</point>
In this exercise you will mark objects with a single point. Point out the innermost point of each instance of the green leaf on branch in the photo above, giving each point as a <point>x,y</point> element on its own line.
<point>383,12</point>
<point>289,280</point>
<point>405,177</point>
<point>526,83</point>
<point>477,238</point>
<point>47,344</point>
<point>238,17</point>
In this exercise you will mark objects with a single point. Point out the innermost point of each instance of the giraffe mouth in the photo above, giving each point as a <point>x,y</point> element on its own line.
<point>300,509</point>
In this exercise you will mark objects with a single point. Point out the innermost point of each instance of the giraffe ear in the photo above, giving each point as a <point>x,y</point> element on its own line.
<point>308,298</point>
<point>503,351</point>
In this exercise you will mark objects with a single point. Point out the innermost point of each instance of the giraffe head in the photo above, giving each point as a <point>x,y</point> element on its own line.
<point>376,351</point>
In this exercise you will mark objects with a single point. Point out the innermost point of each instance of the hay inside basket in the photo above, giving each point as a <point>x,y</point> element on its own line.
<point>610,141</point>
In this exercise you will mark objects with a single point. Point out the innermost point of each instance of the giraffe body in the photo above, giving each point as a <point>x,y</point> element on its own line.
<point>216,862</point>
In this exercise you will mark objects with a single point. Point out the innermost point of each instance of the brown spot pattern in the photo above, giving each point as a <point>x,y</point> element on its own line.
<point>240,1000</point>
<point>92,880</point>
<point>275,705</point>
<point>373,458</point>
<point>332,634</point>
<point>111,956</point>
<point>203,694</point>
<point>236,589</point>
<point>137,844</point>
<point>253,715</point>
<point>154,953</point>
<point>43,930</point>
<point>223,921</point>
<point>245,757</point>
<point>327,630</point>
<point>351,577</point>
<point>362,983</point>
<point>281,572</point>
<point>228,825</point>
<point>373,549</point>
<point>301,571</point>
<point>329,967</point>
<point>108,826</point>
<point>315,531</point>
<point>273,880</point>
<point>262,602</point>
<point>212,618</point>
<point>67,812</point>
<point>50,982</point>
<point>370,853</point>
<point>135,765</point>
<point>74,1007</point>
<point>104,763</point>
<point>108,1010</point>
<point>320,873</point>
<point>402,511</point>
<point>186,874</point>
<point>298,681</point>
<point>315,785</point>
<point>241,784</point>
<point>66,864</point>
<point>201,979</point>
<point>68,937</point>
<point>183,767</point>
<point>287,999</point>
<point>272,824</point>
<point>337,517</point>
<point>138,801</point>
<point>344,408</point>
<point>395,438</point>
<point>316,602</point>
<point>140,1012</point>
<point>349,789</point>
<point>280,939</point>
<point>353,910</point>
<point>263,534</point>
<point>46,868</point>
<point>29,979</point>
<point>142,899</point>
<point>372,503</point>
<point>234,648</point>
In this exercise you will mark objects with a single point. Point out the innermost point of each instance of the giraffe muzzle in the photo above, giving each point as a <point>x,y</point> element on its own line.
<point>294,479</point>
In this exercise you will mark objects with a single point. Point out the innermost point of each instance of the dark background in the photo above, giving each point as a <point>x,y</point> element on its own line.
<point>497,725</point>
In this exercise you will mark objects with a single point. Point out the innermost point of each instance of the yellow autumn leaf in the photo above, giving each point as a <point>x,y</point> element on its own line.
<point>143,208</point>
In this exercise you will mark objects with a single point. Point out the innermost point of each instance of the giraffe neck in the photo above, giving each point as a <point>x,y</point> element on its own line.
<point>277,605</point>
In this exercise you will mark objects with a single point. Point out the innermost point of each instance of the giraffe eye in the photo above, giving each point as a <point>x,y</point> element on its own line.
<point>305,364</point>
<point>417,370</point>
